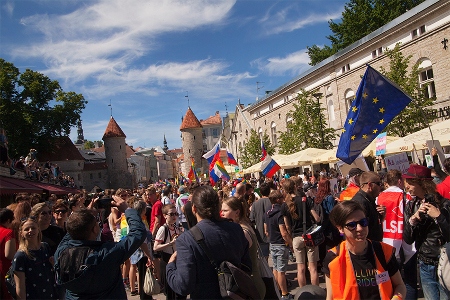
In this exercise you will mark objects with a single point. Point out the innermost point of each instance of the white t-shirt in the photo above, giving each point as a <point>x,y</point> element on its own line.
<point>162,233</point>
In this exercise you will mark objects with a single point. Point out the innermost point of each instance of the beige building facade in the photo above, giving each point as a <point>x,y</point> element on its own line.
<point>423,33</point>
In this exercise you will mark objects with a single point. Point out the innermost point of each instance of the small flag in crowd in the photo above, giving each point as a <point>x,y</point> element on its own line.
<point>268,166</point>
<point>192,174</point>
<point>377,102</point>
<point>218,171</point>
<point>212,154</point>
<point>264,152</point>
<point>231,159</point>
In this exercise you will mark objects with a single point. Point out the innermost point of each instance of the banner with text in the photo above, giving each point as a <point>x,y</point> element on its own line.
<point>397,162</point>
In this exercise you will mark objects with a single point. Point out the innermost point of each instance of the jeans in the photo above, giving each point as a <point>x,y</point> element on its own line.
<point>432,290</point>
<point>409,276</point>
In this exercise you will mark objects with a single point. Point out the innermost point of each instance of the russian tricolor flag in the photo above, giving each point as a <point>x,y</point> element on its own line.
<point>231,159</point>
<point>269,166</point>
<point>264,152</point>
<point>213,154</point>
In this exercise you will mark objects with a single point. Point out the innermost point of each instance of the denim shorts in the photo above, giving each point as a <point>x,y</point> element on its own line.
<point>280,257</point>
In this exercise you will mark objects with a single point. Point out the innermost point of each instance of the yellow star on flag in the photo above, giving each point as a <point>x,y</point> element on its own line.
<point>365,95</point>
<point>375,131</point>
<point>343,130</point>
<point>375,100</point>
<point>381,121</point>
<point>382,110</point>
<point>350,121</point>
<point>364,136</point>
<point>353,138</point>
<point>354,108</point>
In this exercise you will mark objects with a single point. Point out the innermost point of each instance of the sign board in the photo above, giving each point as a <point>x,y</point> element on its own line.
<point>436,144</point>
<point>359,162</point>
<point>380,144</point>
<point>397,162</point>
<point>334,187</point>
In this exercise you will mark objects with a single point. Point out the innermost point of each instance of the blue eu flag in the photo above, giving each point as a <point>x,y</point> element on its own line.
<point>377,102</point>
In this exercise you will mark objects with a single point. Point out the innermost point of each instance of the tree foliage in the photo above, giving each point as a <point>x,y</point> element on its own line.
<point>413,117</point>
<point>251,152</point>
<point>91,144</point>
<point>307,126</point>
<point>359,18</point>
<point>34,109</point>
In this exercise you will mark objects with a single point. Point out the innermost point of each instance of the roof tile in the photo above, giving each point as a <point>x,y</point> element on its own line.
<point>190,121</point>
<point>113,130</point>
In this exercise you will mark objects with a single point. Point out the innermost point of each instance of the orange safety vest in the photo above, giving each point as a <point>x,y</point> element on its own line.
<point>343,279</point>
<point>349,192</point>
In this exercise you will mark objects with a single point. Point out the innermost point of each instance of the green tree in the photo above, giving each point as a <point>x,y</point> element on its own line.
<point>359,18</point>
<point>251,153</point>
<point>307,127</point>
<point>34,109</point>
<point>91,144</point>
<point>412,118</point>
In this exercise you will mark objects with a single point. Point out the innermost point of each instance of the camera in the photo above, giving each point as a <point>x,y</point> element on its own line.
<point>104,203</point>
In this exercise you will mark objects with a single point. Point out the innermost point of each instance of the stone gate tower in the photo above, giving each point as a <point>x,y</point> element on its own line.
<point>191,140</point>
<point>116,156</point>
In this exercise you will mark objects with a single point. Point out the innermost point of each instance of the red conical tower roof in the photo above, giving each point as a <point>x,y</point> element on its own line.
<point>113,130</point>
<point>190,121</point>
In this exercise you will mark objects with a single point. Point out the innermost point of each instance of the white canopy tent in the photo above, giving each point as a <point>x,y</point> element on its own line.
<point>300,158</point>
<point>441,132</point>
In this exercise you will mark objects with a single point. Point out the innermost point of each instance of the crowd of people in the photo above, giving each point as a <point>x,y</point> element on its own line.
<point>382,237</point>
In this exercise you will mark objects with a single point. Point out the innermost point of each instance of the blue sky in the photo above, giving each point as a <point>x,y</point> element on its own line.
<point>145,56</point>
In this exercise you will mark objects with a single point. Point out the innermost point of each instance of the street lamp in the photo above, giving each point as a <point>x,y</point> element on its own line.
<point>318,96</point>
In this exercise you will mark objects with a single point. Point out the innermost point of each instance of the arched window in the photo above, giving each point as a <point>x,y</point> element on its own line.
<point>273,131</point>
<point>426,77</point>
<point>288,122</point>
<point>349,97</point>
<point>331,110</point>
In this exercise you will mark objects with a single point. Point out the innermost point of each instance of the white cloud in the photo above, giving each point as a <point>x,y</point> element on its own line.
<point>293,63</point>
<point>8,7</point>
<point>102,40</point>
<point>292,18</point>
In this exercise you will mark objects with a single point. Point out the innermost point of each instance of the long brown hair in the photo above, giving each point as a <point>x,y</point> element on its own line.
<point>238,204</point>
<point>289,189</point>
<point>323,190</point>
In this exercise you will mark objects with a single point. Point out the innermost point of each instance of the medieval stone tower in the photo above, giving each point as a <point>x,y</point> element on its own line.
<point>191,140</point>
<point>116,156</point>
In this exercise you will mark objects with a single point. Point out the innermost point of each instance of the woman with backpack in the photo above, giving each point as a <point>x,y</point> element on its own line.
<point>359,268</point>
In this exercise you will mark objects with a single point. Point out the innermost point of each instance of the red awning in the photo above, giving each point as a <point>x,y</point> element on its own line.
<point>54,189</point>
<point>10,185</point>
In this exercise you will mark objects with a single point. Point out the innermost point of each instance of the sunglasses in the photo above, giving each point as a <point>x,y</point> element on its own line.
<point>60,211</point>
<point>173,214</point>
<point>352,225</point>
<point>27,218</point>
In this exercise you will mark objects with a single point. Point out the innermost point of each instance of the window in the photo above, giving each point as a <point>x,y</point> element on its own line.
<point>349,97</point>
<point>346,68</point>
<point>418,31</point>
<point>374,53</point>
<point>215,132</point>
<point>240,126</point>
<point>377,52</point>
<point>426,78</point>
<point>380,51</point>
<point>273,131</point>
<point>246,132</point>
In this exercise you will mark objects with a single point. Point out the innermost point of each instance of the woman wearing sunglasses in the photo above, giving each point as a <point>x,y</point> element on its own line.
<point>32,264</point>
<point>60,214</point>
<point>359,268</point>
